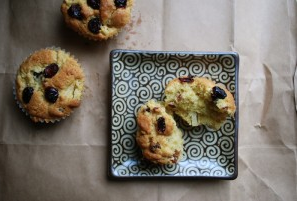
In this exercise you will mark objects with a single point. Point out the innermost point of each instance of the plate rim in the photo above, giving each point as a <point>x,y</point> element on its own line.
<point>110,173</point>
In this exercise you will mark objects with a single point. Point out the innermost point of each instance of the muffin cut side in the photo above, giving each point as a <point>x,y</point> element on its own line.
<point>195,100</point>
<point>158,136</point>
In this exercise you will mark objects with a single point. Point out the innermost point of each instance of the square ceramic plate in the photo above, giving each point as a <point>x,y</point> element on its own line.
<point>138,76</point>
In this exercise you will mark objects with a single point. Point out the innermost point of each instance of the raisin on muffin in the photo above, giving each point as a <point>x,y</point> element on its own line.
<point>97,19</point>
<point>49,85</point>
<point>158,136</point>
<point>199,101</point>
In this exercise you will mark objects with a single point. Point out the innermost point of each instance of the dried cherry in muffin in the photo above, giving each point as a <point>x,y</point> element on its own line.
<point>50,70</point>
<point>94,25</point>
<point>27,94</point>
<point>188,79</point>
<point>161,125</point>
<point>218,93</point>
<point>51,94</point>
<point>120,3</point>
<point>95,4</point>
<point>75,11</point>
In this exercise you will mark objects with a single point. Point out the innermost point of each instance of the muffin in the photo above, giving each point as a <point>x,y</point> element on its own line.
<point>49,85</point>
<point>97,19</point>
<point>158,136</point>
<point>199,101</point>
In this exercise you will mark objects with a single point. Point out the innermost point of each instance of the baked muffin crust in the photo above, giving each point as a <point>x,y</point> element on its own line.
<point>158,136</point>
<point>53,97</point>
<point>97,23</point>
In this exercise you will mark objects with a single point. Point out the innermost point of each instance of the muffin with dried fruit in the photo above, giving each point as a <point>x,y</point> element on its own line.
<point>49,85</point>
<point>97,19</point>
<point>158,136</point>
<point>199,101</point>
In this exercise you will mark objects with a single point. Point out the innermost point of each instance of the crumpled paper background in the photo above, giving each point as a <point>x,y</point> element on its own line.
<point>68,160</point>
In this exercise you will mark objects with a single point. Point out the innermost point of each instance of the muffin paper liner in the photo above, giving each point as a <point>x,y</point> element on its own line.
<point>41,120</point>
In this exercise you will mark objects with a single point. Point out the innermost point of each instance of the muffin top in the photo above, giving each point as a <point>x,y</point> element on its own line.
<point>97,19</point>
<point>158,136</point>
<point>49,85</point>
<point>199,101</point>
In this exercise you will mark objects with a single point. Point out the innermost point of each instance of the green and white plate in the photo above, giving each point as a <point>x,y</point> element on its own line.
<point>138,76</point>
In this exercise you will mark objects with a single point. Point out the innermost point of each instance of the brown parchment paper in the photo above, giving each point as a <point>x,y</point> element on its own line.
<point>68,160</point>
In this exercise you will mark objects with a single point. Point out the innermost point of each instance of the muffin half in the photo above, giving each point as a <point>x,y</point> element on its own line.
<point>199,101</point>
<point>158,136</point>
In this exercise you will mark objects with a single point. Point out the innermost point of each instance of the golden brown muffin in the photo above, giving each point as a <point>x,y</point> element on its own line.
<point>97,19</point>
<point>49,85</point>
<point>158,136</point>
<point>199,101</point>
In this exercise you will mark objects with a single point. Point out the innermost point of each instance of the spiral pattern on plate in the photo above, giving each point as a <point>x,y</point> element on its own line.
<point>148,67</point>
<point>196,67</point>
<point>226,145</point>
<point>161,57</point>
<point>194,151</point>
<point>203,163</point>
<point>183,57</point>
<point>131,103</point>
<point>211,58</point>
<point>130,124</point>
<point>131,60</point>
<point>213,151</point>
<point>222,160</point>
<point>116,56</point>
<point>228,127</point>
<point>119,106</point>
<point>139,77</point>
<point>214,68</point>
<point>231,86</point>
<point>144,172</point>
<point>122,89</point>
<point>170,169</point>
<point>182,71</point>
<point>210,138</point>
<point>218,171</point>
<point>191,170</point>
<point>134,169</point>
<point>228,63</point>
<point>121,171</point>
<point>224,78</point>
<point>144,79</point>
<point>126,75</point>
<point>115,137</point>
<point>117,122</point>
<point>134,84</point>
<point>117,150</point>
<point>118,67</point>
<point>124,158</point>
<point>161,72</point>
<point>230,169</point>
<point>156,170</point>
<point>197,132</point>
<point>144,93</point>
<point>172,65</point>
<point>156,86</point>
